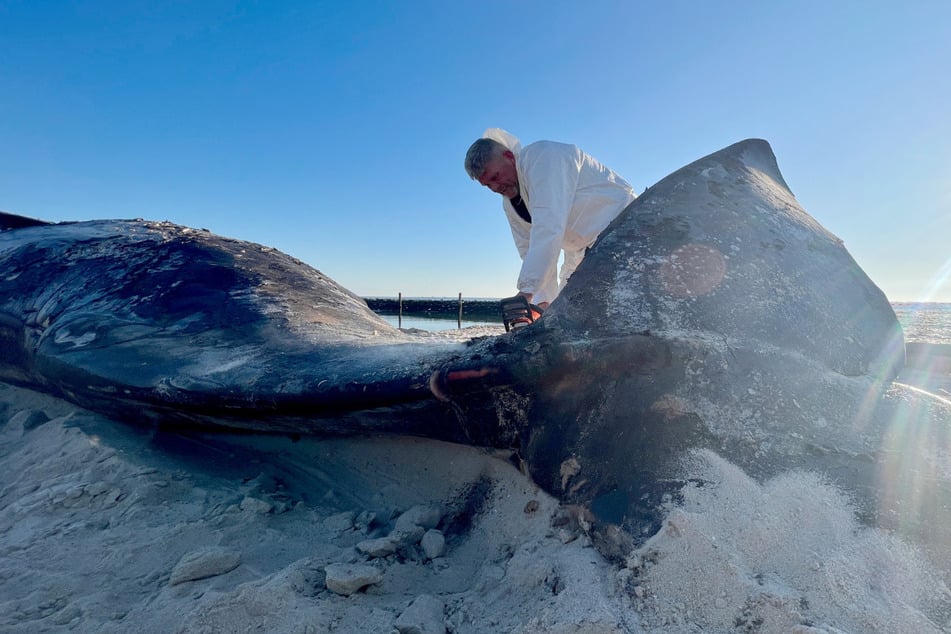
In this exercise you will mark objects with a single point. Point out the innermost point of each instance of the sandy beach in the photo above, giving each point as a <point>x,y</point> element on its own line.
<point>108,527</point>
<point>111,526</point>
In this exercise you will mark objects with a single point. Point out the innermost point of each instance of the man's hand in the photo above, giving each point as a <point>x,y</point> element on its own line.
<point>528,298</point>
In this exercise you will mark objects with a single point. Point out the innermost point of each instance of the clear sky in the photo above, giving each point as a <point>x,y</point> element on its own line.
<point>336,131</point>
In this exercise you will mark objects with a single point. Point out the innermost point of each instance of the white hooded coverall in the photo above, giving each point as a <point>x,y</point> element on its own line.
<point>571,198</point>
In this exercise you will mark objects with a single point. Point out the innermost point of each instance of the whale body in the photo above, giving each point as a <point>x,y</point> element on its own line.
<point>176,325</point>
<point>714,314</point>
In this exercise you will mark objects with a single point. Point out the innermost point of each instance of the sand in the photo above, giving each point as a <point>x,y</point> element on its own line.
<point>112,526</point>
<point>106,527</point>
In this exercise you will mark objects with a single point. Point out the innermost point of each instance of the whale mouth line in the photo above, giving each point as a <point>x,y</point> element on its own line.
<point>442,382</point>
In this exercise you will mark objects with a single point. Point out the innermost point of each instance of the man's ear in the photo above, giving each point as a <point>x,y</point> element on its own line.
<point>509,155</point>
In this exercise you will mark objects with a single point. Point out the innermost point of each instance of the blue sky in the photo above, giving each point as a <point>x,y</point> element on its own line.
<point>335,131</point>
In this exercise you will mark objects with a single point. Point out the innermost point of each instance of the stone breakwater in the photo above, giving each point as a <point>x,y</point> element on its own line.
<point>440,308</point>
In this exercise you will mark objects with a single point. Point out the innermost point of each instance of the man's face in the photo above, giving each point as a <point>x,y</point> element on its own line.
<point>500,175</point>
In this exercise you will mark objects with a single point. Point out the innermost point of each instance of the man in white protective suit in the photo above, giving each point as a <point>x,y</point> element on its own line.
<point>556,198</point>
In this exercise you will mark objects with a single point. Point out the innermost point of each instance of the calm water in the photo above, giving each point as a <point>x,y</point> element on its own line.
<point>925,322</point>
<point>929,322</point>
<point>433,324</point>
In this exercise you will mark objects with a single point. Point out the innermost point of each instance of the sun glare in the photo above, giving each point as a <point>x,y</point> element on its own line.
<point>939,283</point>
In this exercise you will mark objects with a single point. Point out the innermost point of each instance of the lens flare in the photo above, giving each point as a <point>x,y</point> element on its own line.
<point>938,281</point>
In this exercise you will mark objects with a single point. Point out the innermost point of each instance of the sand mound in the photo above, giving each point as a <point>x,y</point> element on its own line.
<point>111,528</point>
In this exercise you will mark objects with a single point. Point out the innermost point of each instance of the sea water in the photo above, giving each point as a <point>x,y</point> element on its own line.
<point>925,322</point>
<point>433,324</point>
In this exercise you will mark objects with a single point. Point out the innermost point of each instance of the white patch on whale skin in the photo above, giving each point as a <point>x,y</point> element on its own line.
<point>716,171</point>
<point>186,322</point>
<point>230,365</point>
<point>64,337</point>
<point>214,361</point>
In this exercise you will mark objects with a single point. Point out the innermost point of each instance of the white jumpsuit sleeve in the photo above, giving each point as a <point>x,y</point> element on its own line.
<point>550,173</point>
<point>573,258</point>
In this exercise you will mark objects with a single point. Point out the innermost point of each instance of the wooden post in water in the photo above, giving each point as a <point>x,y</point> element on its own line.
<point>399,319</point>
<point>459,322</point>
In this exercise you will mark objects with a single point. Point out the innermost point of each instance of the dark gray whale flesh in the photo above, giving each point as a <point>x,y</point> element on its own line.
<point>714,314</point>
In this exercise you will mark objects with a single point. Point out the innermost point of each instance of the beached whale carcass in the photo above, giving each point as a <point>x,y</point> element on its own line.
<point>714,313</point>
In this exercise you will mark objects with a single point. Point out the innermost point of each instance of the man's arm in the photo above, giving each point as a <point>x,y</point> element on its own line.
<point>550,172</point>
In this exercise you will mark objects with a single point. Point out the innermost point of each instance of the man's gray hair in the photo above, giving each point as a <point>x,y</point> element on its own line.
<point>479,154</point>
